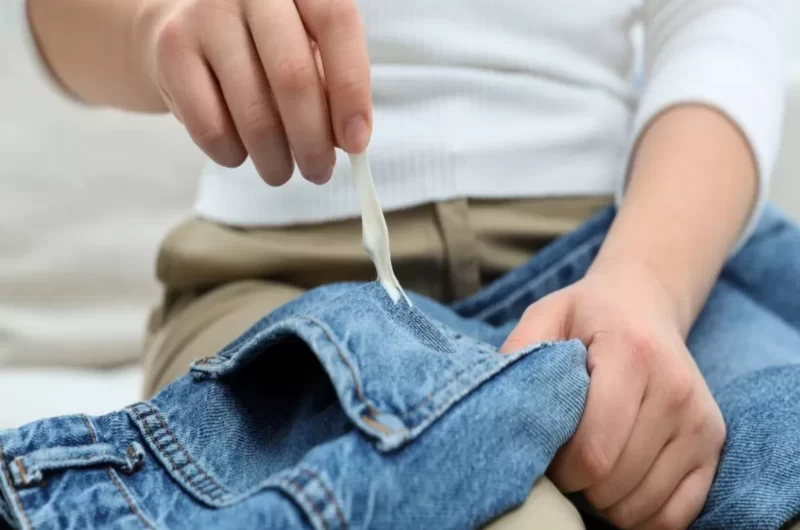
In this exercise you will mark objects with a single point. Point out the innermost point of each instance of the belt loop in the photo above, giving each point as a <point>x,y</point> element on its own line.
<point>460,245</point>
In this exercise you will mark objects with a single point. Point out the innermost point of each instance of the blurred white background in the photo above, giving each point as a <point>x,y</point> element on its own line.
<point>85,197</point>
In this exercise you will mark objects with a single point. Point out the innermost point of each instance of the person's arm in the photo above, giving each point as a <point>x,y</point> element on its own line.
<point>95,49</point>
<point>703,175</point>
<point>692,187</point>
<point>648,443</point>
<point>707,131</point>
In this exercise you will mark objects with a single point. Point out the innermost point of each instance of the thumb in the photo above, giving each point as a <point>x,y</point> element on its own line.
<point>547,319</point>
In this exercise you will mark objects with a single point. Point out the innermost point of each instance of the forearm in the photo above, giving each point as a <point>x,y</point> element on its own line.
<point>691,188</point>
<point>94,48</point>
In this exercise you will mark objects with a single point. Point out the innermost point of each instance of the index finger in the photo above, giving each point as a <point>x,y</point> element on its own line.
<point>612,405</point>
<point>335,25</point>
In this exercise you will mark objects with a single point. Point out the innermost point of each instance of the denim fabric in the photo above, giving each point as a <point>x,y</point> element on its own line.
<point>345,410</point>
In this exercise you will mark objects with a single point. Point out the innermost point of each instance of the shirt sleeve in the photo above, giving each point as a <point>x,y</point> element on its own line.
<point>727,54</point>
<point>22,59</point>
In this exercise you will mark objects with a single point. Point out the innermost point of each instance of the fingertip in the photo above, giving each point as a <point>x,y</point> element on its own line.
<point>276,176</point>
<point>322,177</point>
<point>230,156</point>
<point>513,343</point>
<point>544,320</point>
<point>356,134</point>
<point>272,182</point>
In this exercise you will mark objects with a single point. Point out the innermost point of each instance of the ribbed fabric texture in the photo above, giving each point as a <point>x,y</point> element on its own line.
<point>526,99</point>
<point>529,99</point>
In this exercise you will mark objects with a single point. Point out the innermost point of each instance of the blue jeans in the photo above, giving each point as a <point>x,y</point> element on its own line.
<point>343,410</point>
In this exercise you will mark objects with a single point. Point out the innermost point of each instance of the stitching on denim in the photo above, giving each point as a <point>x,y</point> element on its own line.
<point>89,428</point>
<point>446,385</point>
<point>179,469</point>
<point>22,473</point>
<point>185,452</point>
<point>128,500</point>
<point>463,390</point>
<point>373,410</point>
<point>458,391</point>
<point>65,459</point>
<point>375,424</point>
<point>359,393</point>
<point>328,494</point>
<point>529,286</point>
<point>297,490</point>
<point>13,489</point>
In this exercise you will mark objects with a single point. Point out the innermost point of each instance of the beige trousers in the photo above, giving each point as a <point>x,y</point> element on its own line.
<point>219,280</point>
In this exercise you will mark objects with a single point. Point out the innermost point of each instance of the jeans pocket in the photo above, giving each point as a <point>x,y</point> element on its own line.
<point>393,370</point>
<point>340,362</point>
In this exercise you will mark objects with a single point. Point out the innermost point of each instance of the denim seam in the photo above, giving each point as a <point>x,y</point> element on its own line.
<point>373,409</point>
<point>214,498</point>
<point>115,480</point>
<point>356,381</point>
<point>13,489</point>
<point>188,456</point>
<point>446,386</point>
<point>22,473</point>
<point>527,287</point>
<point>298,491</point>
<point>128,500</point>
<point>328,494</point>
<point>179,469</point>
<point>461,391</point>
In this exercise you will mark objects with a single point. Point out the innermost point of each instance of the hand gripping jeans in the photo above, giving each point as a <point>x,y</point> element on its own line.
<point>343,410</point>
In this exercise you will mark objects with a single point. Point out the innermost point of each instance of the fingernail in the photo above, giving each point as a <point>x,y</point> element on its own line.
<point>356,134</point>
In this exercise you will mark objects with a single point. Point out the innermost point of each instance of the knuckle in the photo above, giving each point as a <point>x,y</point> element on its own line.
<point>667,519</point>
<point>622,515</point>
<point>353,84</point>
<point>173,37</point>
<point>332,13</point>
<point>598,496</point>
<point>639,359</point>
<point>595,461</point>
<point>258,122</point>
<point>212,8</point>
<point>211,137</point>
<point>679,389</point>
<point>214,140</point>
<point>717,434</point>
<point>642,345</point>
<point>295,75</point>
<point>711,428</point>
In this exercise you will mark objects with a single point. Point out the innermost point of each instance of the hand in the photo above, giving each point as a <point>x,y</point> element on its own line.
<point>647,446</point>
<point>273,79</point>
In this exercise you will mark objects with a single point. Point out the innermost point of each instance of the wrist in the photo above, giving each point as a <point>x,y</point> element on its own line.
<point>666,286</point>
<point>692,183</point>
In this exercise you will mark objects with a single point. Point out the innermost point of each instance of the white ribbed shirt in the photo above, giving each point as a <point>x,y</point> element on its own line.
<point>505,98</point>
<point>500,99</point>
